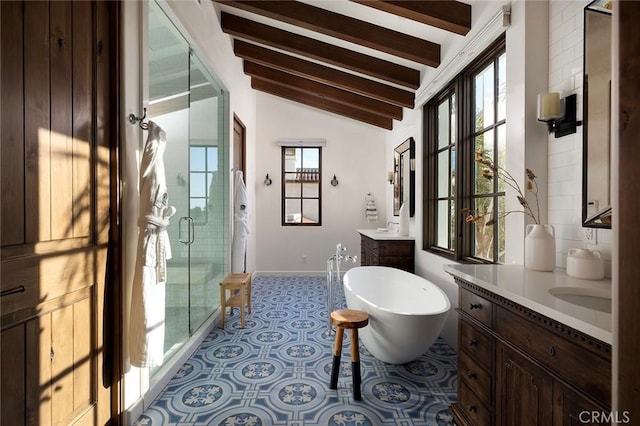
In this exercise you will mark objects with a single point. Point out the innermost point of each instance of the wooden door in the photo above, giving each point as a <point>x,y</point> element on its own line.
<point>571,409</point>
<point>524,392</point>
<point>627,273</point>
<point>56,84</point>
<point>239,147</point>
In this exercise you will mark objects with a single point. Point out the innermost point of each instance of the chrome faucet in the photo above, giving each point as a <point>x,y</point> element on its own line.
<point>342,258</point>
<point>333,272</point>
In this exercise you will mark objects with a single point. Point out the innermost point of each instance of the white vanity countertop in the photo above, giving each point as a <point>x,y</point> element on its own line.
<point>390,234</point>
<point>531,289</point>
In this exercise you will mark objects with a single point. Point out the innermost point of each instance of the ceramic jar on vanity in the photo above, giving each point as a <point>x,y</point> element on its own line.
<point>585,264</point>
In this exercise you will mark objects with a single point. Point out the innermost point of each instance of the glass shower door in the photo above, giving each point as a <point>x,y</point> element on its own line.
<point>168,70</point>
<point>207,193</point>
<point>187,103</point>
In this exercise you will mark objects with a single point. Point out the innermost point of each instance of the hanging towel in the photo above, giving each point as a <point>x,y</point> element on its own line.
<point>240,228</point>
<point>371,211</point>
<point>146,347</point>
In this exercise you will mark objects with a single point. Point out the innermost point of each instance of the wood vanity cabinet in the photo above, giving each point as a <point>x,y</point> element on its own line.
<point>386,252</point>
<point>516,366</point>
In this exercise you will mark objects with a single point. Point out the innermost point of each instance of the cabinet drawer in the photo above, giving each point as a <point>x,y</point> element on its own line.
<point>475,377</point>
<point>586,370</point>
<point>476,306</point>
<point>476,343</point>
<point>472,406</point>
<point>394,248</point>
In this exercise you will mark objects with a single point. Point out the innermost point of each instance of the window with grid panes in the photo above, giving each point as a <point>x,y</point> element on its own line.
<point>466,117</point>
<point>203,164</point>
<point>301,186</point>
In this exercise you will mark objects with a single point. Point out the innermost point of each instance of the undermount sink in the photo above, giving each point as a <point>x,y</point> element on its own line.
<point>592,298</point>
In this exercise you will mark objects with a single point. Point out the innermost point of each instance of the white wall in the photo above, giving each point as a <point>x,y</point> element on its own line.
<point>354,152</point>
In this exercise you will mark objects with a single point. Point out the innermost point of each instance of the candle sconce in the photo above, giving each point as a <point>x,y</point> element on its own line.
<point>390,177</point>
<point>559,114</point>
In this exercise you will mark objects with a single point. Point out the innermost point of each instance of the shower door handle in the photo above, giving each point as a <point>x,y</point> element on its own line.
<point>190,233</point>
<point>192,230</point>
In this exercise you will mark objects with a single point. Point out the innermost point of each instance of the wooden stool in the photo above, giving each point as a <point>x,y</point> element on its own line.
<point>239,287</point>
<point>353,320</point>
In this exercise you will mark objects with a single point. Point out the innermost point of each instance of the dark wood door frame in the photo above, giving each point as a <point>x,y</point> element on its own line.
<point>627,329</point>
<point>240,160</point>
<point>114,297</point>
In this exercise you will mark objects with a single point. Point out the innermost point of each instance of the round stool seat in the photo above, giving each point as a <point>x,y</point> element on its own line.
<point>349,318</point>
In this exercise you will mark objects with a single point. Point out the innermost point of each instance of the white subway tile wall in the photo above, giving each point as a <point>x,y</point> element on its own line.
<point>565,154</point>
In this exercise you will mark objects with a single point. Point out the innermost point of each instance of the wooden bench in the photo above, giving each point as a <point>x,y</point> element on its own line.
<point>235,291</point>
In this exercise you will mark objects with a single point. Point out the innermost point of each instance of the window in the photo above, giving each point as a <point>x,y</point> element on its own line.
<point>468,116</point>
<point>301,177</point>
<point>203,163</point>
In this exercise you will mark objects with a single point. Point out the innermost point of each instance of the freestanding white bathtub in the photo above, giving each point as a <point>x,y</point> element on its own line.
<point>406,312</point>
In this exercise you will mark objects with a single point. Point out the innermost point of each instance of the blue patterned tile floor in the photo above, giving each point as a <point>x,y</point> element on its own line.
<point>276,371</point>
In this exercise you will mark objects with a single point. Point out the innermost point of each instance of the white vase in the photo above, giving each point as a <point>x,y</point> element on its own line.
<point>404,220</point>
<point>540,248</point>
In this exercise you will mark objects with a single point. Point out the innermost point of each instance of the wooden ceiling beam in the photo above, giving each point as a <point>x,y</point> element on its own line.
<point>345,28</point>
<point>324,74</point>
<point>320,103</point>
<point>325,52</point>
<point>323,91</point>
<point>450,15</point>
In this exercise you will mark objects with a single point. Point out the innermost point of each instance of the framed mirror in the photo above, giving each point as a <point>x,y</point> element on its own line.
<point>596,167</point>
<point>404,176</point>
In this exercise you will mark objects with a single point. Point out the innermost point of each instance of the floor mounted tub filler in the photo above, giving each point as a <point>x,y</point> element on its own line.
<point>406,312</point>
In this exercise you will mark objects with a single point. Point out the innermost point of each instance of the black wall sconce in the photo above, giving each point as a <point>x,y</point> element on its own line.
<point>267,180</point>
<point>559,114</point>
<point>334,181</point>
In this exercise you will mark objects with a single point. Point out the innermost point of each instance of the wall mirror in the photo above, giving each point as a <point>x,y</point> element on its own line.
<point>404,176</point>
<point>596,167</point>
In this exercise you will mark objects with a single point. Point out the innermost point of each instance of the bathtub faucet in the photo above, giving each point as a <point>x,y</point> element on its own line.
<point>341,258</point>
<point>333,277</point>
<point>353,259</point>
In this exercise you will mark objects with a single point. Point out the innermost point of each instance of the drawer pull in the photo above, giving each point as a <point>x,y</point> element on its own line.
<point>552,351</point>
<point>19,289</point>
<point>473,306</point>
<point>472,408</point>
<point>471,374</point>
<point>473,342</point>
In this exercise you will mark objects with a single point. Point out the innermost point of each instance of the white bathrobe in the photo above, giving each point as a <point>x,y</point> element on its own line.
<point>240,228</point>
<point>146,347</point>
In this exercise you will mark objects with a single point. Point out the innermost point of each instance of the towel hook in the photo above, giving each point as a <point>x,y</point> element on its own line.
<point>133,119</point>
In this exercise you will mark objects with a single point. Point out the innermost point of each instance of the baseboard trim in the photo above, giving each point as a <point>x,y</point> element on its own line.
<point>290,273</point>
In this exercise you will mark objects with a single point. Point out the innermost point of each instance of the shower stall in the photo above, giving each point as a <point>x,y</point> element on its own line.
<point>190,106</point>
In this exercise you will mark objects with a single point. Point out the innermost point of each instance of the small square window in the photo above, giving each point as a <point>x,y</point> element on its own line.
<point>301,186</point>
